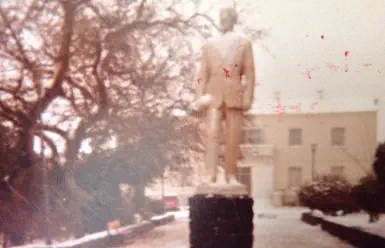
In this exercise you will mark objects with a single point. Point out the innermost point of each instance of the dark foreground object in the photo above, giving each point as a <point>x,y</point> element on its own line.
<point>221,222</point>
<point>355,236</point>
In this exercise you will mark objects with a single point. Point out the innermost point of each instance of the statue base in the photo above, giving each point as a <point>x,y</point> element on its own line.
<point>218,221</point>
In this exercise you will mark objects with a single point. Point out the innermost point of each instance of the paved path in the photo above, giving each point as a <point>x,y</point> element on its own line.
<point>285,230</point>
<point>173,235</point>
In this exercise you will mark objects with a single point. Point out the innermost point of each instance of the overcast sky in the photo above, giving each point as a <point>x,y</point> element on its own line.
<point>329,45</point>
<point>313,36</point>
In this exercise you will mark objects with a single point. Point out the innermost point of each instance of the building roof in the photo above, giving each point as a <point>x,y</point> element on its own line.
<point>313,106</point>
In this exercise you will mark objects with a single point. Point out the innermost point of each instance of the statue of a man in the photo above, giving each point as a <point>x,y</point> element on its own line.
<point>225,86</point>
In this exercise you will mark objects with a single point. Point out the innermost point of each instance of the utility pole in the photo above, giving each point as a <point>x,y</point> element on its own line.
<point>313,153</point>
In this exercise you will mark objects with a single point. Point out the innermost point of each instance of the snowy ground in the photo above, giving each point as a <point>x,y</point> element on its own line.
<point>287,230</point>
<point>360,220</point>
<point>280,228</point>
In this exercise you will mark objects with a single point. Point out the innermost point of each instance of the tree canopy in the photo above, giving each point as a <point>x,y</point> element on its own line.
<point>88,71</point>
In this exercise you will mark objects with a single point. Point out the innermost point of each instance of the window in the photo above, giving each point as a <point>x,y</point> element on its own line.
<point>337,170</point>
<point>295,137</point>
<point>295,176</point>
<point>338,136</point>
<point>253,136</point>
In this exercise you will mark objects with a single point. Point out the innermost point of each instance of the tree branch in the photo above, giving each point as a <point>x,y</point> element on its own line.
<point>62,60</point>
<point>24,58</point>
<point>52,129</point>
<point>50,143</point>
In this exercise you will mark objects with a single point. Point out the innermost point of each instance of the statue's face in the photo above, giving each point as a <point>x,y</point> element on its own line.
<point>227,19</point>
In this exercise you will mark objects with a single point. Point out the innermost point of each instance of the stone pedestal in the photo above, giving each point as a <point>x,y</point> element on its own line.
<point>218,221</point>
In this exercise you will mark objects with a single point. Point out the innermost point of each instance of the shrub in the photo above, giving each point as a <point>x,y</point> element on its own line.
<point>379,163</point>
<point>329,194</point>
<point>370,192</point>
<point>370,196</point>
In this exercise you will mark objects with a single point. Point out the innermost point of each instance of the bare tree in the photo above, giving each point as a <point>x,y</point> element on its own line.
<point>83,70</point>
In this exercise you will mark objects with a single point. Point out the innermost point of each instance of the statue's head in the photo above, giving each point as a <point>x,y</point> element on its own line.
<point>228,18</point>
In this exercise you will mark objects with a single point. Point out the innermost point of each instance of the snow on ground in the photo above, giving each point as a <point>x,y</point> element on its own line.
<point>286,229</point>
<point>159,217</point>
<point>172,235</point>
<point>182,215</point>
<point>360,220</point>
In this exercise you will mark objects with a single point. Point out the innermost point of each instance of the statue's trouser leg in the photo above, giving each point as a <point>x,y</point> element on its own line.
<point>234,119</point>
<point>214,117</point>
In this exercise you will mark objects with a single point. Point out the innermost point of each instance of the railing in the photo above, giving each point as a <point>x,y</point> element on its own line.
<point>255,151</point>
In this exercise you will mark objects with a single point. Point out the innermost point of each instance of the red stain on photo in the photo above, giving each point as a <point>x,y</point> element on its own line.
<point>227,73</point>
<point>322,36</point>
<point>279,108</point>
<point>346,54</point>
<point>308,71</point>
<point>240,76</point>
<point>296,107</point>
<point>331,67</point>
<point>313,105</point>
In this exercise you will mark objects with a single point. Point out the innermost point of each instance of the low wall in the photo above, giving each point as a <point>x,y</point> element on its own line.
<point>353,235</point>
<point>110,238</point>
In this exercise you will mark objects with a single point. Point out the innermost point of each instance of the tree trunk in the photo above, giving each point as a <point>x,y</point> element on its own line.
<point>139,198</point>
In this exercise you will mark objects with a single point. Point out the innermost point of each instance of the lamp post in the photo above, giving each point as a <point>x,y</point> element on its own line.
<point>313,152</point>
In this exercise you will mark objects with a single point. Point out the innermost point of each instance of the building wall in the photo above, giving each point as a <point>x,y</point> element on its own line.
<point>361,133</point>
<point>360,143</point>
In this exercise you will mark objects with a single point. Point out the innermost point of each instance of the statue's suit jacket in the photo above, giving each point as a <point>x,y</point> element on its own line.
<point>227,71</point>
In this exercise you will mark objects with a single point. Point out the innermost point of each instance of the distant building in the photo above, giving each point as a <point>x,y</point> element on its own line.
<point>285,145</point>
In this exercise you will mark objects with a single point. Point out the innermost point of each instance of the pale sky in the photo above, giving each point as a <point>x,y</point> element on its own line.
<point>296,46</point>
<point>320,39</point>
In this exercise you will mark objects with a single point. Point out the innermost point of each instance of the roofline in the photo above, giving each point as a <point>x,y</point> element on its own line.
<point>311,113</point>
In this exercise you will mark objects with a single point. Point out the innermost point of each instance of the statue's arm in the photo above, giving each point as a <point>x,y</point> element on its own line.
<point>203,73</point>
<point>249,73</point>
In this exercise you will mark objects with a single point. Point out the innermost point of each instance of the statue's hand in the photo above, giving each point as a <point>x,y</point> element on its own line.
<point>194,106</point>
<point>246,105</point>
<point>202,102</point>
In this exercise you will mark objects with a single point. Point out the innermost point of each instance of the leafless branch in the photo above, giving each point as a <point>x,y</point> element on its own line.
<point>20,47</point>
<point>50,143</point>
<point>53,129</point>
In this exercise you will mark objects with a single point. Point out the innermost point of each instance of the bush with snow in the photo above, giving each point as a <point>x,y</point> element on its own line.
<point>329,194</point>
